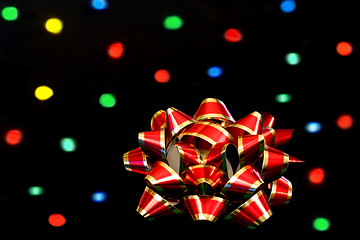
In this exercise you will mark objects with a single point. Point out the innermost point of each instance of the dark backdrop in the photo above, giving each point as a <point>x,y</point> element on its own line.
<point>76,66</point>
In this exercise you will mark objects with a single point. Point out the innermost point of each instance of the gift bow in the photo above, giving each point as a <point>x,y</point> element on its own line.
<point>211,166</point>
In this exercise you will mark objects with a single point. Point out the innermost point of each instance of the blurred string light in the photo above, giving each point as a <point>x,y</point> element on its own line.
<point>68,144</point>
<point>99,197</point>
<point>321,224</point>
<point>43,93</point>
<point>173,22</point>
<point>344,48</point>
<point>313,127</point>
<point>10,13</point>
<point>56,220</point>
<point>344,121</point>
<point>283,97</point>
<point>13,137</point>
<point>99,4</point>
<point>115,50</point>
<point>316,176</point>
<point>162,76</point>
<point>214,71</point>
<point>292,58</point>
<point>288,6</point>
<point>233,35</point>
<point>107,100</point>
<point>35,191</point>
<point>54,25</point>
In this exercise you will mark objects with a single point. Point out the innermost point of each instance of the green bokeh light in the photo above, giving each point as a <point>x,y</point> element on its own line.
<point>10,13</point>
<point>35,190</point>
<point>173,22</point>
<point>107,100</point>
<point>321,224</point>
<point>283,98</point>
<point>292,58</point>
<point>68,144</point>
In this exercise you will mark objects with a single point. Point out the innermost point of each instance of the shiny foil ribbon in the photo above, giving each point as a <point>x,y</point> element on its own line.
<point>212,167</point>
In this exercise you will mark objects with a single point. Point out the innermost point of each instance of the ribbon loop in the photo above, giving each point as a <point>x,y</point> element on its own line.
<point>214,109</point>
<point>153,143</point>
<point>158,120</point>
<point>165,180</point>
<point>243,184</point>
<point>250,148</point>
<point>197,175</point>
<point>273,164</point>
<point>208,208</point>
<point>177,120</point>
<point>251,124</point>
<point>136,161</point>
<point>153,206</point>
<point>281,192</point>
<point>253,212</point>
<point>224,156</point>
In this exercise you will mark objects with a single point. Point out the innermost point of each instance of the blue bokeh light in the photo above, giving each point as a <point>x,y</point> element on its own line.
<point>215,71</point>
<point>99,197</point>
<point>288,6</point>
<point>99,4</point>
<point>313,127</point>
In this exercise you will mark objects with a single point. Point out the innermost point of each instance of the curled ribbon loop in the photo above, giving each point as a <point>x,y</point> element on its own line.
<point>203,164</point>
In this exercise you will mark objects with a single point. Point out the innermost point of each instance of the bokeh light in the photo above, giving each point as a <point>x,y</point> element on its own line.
<point>283,98</point>
<point>214,72</point>
<point>35,191</point>
<point>316,176</point>
<point>54,25</point>
<point>344,48</point>
<point>107,100</point>
<point>43,93</point>
<point>292,58</point>
<point>99,4</point>
<point>321,224</point>
<point>173,22</point>
<point>313,127</point>
<point>9,13</point>
<point>13,137</point>
<point>233,35</point>
<point>162,76</point>
<point>115,50</point>
<point>288,6</point>
<point>345,121</point>
<point>68,144</point>
<point>99,197</point>
<point>57,220</point>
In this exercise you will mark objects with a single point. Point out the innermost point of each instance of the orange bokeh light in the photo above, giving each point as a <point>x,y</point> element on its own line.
<point>344,48</point>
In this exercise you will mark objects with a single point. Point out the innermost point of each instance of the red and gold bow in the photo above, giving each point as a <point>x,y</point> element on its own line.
<point>211,166</point>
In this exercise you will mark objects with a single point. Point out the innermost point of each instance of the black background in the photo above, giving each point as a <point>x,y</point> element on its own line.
<point>76,66</point>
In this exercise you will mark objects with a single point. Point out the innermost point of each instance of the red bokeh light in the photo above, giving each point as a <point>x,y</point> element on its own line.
<point>316,175</point>
<point>57,220</point>
<point>233,35</point>
<point>116,50</point>
<point>344,121</point>
<point>162,76</point>
<point>13,137</point>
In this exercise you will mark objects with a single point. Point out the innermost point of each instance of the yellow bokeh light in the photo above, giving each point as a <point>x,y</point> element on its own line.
<point>54,25</point>
<point>43,93</point>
